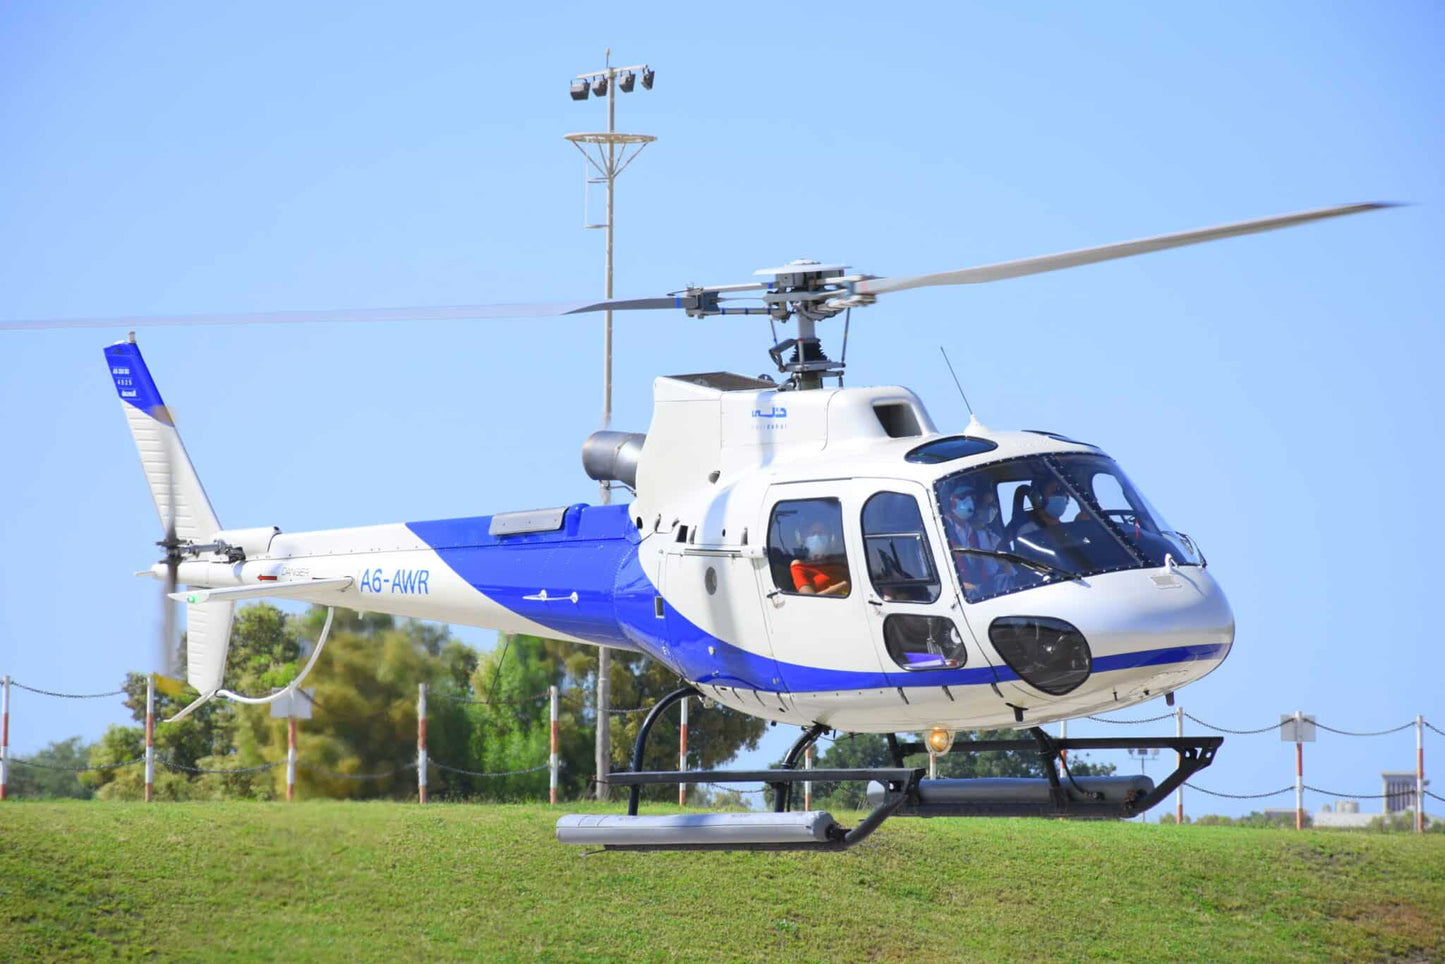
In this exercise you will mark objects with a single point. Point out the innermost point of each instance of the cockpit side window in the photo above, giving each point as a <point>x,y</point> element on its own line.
<point>805,548</point>
<point>900,562</point>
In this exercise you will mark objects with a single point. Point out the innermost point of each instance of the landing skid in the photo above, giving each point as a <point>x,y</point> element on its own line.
<point>896,791</point>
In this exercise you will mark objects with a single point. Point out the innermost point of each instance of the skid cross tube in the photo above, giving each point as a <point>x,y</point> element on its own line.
<point>634,796</point>
<point>1194,754</point>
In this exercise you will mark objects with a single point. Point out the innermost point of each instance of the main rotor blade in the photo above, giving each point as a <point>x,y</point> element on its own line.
<point>440,313</point>
<point>1107,252</point>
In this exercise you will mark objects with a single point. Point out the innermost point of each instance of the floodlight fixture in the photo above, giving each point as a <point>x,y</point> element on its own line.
<point>579,90</point>
<point>599,86</point>
<point>625,81</point>
<point>647,74</point>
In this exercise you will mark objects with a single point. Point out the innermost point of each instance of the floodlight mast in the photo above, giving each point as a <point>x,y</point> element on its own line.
<point>608,163</point>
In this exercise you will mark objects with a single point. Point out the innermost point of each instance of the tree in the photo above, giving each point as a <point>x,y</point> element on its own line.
<point>65,756</point>
<point>510,737</point>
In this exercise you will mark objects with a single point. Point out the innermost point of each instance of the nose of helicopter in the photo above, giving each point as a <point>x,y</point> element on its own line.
<point>1147,632</point>
<point>1158,630</point>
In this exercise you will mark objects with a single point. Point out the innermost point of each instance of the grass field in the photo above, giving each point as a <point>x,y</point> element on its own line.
<point>369,881</point>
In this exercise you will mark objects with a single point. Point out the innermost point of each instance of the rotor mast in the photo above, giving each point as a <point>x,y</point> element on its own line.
<point>607,154</point>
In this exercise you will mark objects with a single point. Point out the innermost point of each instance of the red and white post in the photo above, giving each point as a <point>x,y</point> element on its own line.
<point>682,754</point>
<point>1419,774</point>
<point>808,784</point>
<point>291,751</point>
<point>1299,772</point>
<point>553,762</point>
<point>150,735</point>
<point>421,742</point>
<point>4,734</point>
<point>1179,762</point>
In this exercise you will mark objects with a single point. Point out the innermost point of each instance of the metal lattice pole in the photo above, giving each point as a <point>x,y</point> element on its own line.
<point>610,161</point>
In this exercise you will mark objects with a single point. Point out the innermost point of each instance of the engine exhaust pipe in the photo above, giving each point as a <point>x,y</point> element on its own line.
<point>613,456</point>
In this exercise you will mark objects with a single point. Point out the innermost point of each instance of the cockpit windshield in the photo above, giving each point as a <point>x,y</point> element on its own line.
<point>1024,522</point>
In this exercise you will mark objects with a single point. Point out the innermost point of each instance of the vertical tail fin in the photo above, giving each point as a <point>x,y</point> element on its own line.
<point>185,514</point>
<point>176,489</point>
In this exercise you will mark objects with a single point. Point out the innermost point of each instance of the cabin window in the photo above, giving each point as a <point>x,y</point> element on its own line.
<point>805,548</point>
<point>900,562</point>
<point>923,642</point>
<point>948,449</point>
<point>898,419</point>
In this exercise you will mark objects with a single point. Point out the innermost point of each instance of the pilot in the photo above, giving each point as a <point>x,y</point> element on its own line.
<point>1048,501</point>
<point>823,570</point>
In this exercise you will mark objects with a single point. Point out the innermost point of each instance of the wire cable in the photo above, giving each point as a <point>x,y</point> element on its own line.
<point>1241,796</point>
<point>85,769</point>
<point>181,766</point>
<point>1393,729</point>
<point>1150,719</point>
<point>1225,729</point>
<point>68,696</point>
<point>499,773</point>
<point>334,775</point>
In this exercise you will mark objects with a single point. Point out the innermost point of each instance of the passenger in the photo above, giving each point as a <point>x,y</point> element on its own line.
<point>971,525</point>
<point>824,569</point>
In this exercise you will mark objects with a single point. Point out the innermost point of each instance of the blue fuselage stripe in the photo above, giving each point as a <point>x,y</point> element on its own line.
<point>595,555</point>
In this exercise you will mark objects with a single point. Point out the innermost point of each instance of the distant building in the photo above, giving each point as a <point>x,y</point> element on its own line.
<point>1398,790</point>
<point>1397,795</point>
<point>1345,813</point>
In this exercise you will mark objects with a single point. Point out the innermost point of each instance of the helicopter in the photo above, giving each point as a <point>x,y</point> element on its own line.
<point>804,552</point>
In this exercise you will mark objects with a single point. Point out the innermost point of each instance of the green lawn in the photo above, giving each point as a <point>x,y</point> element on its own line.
<point>316,881</point>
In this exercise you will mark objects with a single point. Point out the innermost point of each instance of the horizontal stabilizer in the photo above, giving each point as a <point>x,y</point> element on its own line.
<point>266,590</point>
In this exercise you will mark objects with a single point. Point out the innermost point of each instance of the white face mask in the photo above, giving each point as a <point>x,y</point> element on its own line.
<point>963,508</point>
<point>815,543</point>
<point>1055,505</point>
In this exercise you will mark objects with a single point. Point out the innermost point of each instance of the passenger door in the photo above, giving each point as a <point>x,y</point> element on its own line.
<point>813,603</point>
<point>907,583</point>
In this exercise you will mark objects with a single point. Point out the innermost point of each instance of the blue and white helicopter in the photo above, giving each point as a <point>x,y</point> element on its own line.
<point>803,552</point>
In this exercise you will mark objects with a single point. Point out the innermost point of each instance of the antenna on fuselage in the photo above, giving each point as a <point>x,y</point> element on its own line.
<point>955,382</point>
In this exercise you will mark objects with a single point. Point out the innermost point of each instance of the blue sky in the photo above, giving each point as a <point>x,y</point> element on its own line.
<point>1276,396</point>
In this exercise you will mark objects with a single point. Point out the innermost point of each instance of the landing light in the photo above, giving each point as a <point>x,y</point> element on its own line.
<point>939,740</point>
